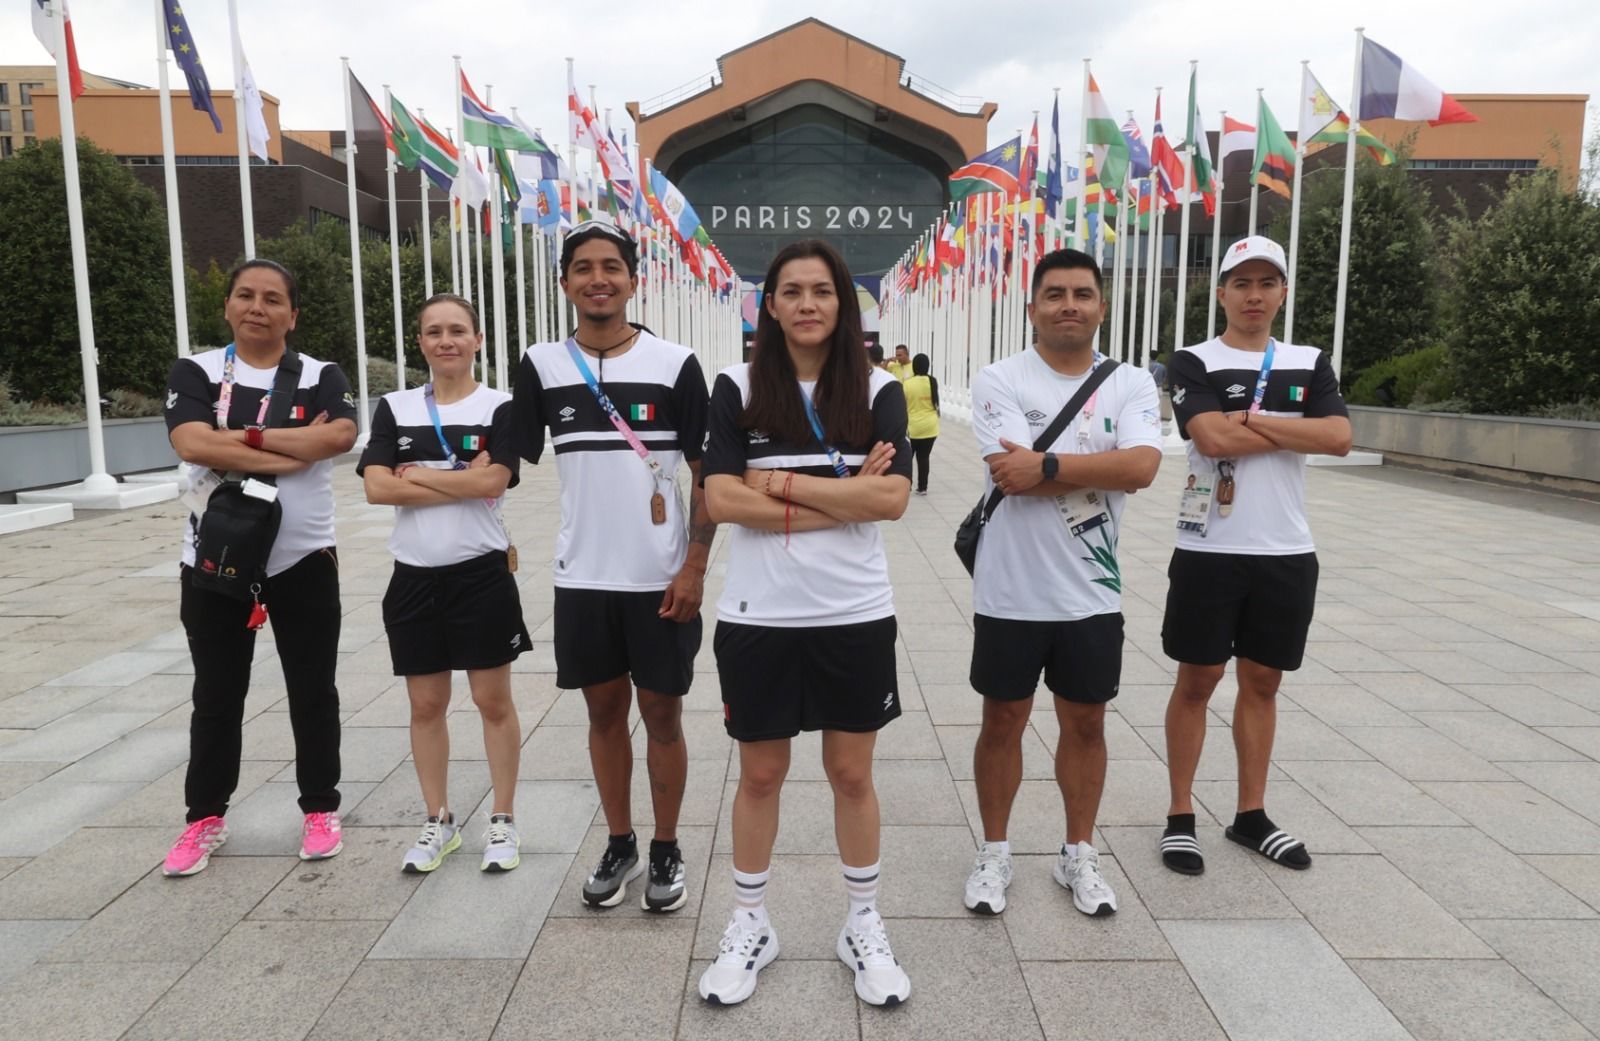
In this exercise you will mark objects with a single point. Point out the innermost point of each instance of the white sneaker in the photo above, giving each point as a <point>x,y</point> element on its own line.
<point>439,838</point>
<point>746,949</point>
<point>990,878</point>
<point>864,947</point>
<point>1078,869</point>
<point>500,844</point>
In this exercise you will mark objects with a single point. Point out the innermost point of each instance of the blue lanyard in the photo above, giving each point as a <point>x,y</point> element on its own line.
<point>617,421</point>
<point>225,395</point>
<point>839,466</point>
<point>1261,381</point>
<point>438,428</point>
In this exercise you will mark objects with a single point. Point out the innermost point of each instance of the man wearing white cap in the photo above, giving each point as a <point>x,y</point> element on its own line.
<point>1243,579</point>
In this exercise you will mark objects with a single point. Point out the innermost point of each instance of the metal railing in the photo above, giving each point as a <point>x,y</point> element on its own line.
<point>949,99</point>
<point>698,85</point>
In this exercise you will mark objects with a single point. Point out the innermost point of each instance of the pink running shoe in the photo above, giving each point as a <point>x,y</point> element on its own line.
<point>192,852</point>
<point>323,836</point>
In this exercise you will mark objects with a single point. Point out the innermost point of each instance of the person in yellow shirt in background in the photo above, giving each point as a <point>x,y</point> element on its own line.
<point>900,368</point>
<point>922,413</point>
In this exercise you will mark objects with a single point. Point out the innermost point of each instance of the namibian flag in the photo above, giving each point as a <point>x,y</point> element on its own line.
<point>641,413</point>
<point>471,442</point>
<point>997,170</point>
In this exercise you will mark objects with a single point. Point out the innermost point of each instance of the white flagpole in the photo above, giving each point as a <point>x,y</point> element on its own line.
<point>1294,206</point>
<point>1133,299</point>
<point>1080,236</point>
<point>1119,252</point>
<point>477,243</point>
<point>522,272</point>
<point>247,207</point>
<point>169,167</point>
<point>427,226</point>
<point>394,259</point>
<point>1216,238</point>
<point>1152,325</point>
<point>564,319</point>
<point>1349,205</point>
<point>1255,196</point>
<point>463,158</point>
<point>355,251</point>
<point>497,261</point>
<point>1183,224</point>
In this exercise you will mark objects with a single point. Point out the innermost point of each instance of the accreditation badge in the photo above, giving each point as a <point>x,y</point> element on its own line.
<point>1194,508</point>
<point>1083,511</point>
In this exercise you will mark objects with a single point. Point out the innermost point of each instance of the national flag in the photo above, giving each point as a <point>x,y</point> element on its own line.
<point>47,36</point>
<point>1238,137</point>
<point>471,186</point>
<point>508,180</point>
<point>618,171</point>
<point>439,157</point>
<point>580,120</point>
<point>641,413</point>
<point>367,118</point>
<point>406,135</point>
<point>1166,162</point>
<point>297,412</point>
<point>1200,150</point>
<point>997,170</point>
<point>255,111</point>
<point>1052,175</point>
<point>1105,138</point>
<point>1297,393</point>
<point>551,166</point>
<point>1274,158</point>
<point>672,208</point>
<point>471,442</point>
<point>1391,88</point>
<point>1322,121</point>
<point>1138,154</point>
<point>481,125</point>
<point>181,44</point>
<point>1028,172</point>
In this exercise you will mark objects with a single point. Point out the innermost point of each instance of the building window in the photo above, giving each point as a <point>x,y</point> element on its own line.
<point>5,93</point>
<point>5,121</point>
<point>5,147</point>
<point>26,90</point>
<point>27,121</point>
<point>1473,164</point>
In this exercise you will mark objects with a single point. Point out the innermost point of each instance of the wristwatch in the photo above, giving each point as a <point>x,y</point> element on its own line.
<point>253,437</point>
<point>1050,466</point>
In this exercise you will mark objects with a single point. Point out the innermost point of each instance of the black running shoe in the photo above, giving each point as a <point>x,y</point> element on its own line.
<point>665,890</point>
<point>608,885</point>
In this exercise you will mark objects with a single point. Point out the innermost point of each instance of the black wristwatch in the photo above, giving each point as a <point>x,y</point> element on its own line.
<point>1050,466</point>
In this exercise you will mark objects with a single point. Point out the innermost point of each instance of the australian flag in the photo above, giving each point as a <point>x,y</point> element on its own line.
<point>182,46</point>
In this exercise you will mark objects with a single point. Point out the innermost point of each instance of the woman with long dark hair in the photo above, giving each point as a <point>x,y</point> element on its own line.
<point>922,411</point>
<point>806,451</point>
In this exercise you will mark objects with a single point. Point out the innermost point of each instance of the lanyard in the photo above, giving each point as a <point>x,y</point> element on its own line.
<point>225,396</point>
<point>839,467</point>
<point>611,411</point>
<point>1084,428</point>
<point>438,428</point>
<point>1261,381</point>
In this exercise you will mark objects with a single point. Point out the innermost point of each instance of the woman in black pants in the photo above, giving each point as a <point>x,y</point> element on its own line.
<point>922,416</point>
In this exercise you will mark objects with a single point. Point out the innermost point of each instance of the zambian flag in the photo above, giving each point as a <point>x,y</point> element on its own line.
<point>1274,165</point>
<point>641,413</point>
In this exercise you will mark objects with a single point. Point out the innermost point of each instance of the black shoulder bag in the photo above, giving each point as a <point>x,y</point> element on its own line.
<point>971,529</point>
<point>238,529</point>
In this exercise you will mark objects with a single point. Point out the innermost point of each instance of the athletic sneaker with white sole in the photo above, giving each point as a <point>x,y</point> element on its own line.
<point>747,947</point>
<point>864,947</point>
<point>990,878</point>
<point>665,889</point>
<point>607,886</point>
<point>501,844</point>
<point>1078,869</point>
<point>439,838</point>
<point>192,852</point>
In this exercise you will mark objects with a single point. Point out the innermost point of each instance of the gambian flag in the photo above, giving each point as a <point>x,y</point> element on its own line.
<point>1390,87</point>
<point>641,413</point>
<point>1105,139</point>
<point>1274,163</point>
<point>997,170</point>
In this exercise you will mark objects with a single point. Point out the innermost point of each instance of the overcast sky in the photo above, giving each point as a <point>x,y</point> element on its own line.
<point>635,51</point>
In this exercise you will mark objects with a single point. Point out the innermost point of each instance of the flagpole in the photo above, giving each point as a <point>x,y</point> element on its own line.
<point>462,218</point>
<point>1349,205</point>
<point>522,271</point>
<point>427,224</point>
<point>1183,223</point>
<point>1080,236</point>
<point>1255,195</point>
<point>1119,252</point>
<point>483,300</point>
<point>394,257</point>
<point>362,418</point>
<point>1216,237</point>
<point>1132,319</point>
<point>497,259</point>
<point>245,203</point>
<point>169,167</point>
<point>562,315</point>
<point>1294,208</point>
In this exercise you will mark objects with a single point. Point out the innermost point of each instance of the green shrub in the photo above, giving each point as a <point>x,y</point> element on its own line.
<point>1408,373</point>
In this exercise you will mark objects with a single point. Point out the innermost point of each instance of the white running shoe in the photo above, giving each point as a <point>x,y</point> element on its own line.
<point>439,838</point>
<point>1081,874</point>
<point>746,948</point>
<point>990,878</point>
<point>500,844</point>
<point>864,947</point>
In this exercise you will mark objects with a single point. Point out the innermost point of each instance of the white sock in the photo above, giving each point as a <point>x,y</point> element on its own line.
<point>862,885</point>
<point>1081,849</point>
<point>750,894</point>
<point>1003,847</point>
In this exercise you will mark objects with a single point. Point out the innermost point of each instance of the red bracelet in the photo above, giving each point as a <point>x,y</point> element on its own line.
<point>788,482</point>
<point>254,437</point>
<point>788,508</point>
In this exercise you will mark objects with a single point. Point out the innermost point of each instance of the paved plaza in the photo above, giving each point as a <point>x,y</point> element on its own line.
<point>1439,752</point>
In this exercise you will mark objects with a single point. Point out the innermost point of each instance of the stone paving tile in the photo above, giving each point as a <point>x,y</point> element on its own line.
<point>14,777</point>
<point>1368,793</point>
<point>461,912</point>
<point>964,984</point>
<point>268,821</point>
<point>1559,957</point>
<point>83,1002</point>
<point>796,1001</point>
<point>1045,926</point>
<point>1314,994</point>
<point>387,1000</point>
<point>1420,754</point>
<point>1531,705</point>
<point>363,883</point>
<point>556,753</point>
<point>1132,1001</point>
<point>73,736</point>
<point>1342,705</point>
<point>1585,740</point>
<point>1517,816</point>
<point>293,969</point>
<point>1472,876</point>
<point>1578,875</point>
<point>1293,808</point>
<point>143,755</point>
<point>1575,785</point>
<point>1235,884</point>
<point>82,874</point>
<point>41,705</point>
<point>397,802</point>
<point>367,754</point>
<point>119,670</point>
<point>43,814</point>
<point>1466,1001</point>
<point>160,803</point>
<point>576,960</point>
<point>1497,738</point>
<point>21,943</point>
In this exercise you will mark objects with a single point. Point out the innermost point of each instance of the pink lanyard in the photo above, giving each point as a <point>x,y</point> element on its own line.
<point>225,396</point>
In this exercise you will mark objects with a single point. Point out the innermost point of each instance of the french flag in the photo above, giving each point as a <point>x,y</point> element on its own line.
<point>1391,88</point>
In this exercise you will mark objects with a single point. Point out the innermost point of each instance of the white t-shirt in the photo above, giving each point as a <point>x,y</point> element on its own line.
<point>836,576</point>
<point>1030,567</point>
<point>402,432</point>
<point>306,496</point>
<point>1269,505</point>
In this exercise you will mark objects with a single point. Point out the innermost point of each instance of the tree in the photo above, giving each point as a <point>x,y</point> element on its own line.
<point>126,236</point>
<point>319,259</point>
<point>1522,305</point>
<point>1392,306</point>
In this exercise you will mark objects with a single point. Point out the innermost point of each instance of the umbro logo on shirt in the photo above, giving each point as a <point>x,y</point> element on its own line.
<point>404,443</point>
<point>567,414</point>
<point>757,437</point>
<point>1035,417</point>
<point>1237,390</point>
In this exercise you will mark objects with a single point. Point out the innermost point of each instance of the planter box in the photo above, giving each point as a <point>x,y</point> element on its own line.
<point>39,457</point>
<point>1546,448</point>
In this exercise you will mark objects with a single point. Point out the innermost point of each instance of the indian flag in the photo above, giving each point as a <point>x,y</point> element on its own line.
<point>1104,136</point>
<point>471,442</point>
<point>641,413</point>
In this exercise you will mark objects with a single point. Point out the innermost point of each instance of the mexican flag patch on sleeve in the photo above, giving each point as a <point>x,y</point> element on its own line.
<point>641,413</point>
<point>471,442</point>
<point>1297,393</point>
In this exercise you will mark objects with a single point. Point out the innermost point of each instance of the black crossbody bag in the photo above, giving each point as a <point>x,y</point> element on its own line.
<point>971,529</point>
<point>238,529</point>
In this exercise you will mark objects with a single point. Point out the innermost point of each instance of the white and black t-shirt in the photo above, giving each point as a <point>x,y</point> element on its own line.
<point>1269,505</point>
<point>607,539</point>
<point>836,576</point>
<point>402,432</point>
<point>1030,566</point>
<point>193,389</point>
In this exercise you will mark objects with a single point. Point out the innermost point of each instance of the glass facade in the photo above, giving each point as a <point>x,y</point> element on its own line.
<point>812,172</point>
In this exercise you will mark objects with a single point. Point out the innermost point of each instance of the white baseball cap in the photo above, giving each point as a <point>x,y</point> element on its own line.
<point>1256,247</point>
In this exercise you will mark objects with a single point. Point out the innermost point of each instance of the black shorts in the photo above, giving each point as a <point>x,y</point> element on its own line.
<point>1081,659</point>
<point>602,634</point>
<point>778,681</point>
<point>1225,605</point>
<point>461,616</point>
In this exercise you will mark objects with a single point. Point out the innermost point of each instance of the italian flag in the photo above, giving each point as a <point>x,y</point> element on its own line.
<point>1104,136</point>
<point>471,442</point>
<point>641,413</point>
<point>1274,163</point>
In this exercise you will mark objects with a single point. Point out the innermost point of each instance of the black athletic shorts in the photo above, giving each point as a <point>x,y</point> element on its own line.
<point>1081,659</point>
<point>602,634</point>
<point>461,616</point>
<point>1225,605</point>
<point>778,681</point>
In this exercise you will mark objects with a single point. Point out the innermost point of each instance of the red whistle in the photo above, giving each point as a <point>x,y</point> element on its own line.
<point>258,616</point>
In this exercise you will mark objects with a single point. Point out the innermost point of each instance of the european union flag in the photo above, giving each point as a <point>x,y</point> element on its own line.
<point>182,46</point>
